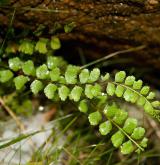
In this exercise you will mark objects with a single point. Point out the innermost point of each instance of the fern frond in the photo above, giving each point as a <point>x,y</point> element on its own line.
<point>54,78</point>
<point>134,92</point>
<point>30,47</point>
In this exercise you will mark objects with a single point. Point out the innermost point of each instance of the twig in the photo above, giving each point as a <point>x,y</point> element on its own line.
<point>13,115</point>
<point>114,54</point>
<point>17,120</point>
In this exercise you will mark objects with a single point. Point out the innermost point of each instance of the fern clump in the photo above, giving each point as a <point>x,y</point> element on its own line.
<point>55,79</point>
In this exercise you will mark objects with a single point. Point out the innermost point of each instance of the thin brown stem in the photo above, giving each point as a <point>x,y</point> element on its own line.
<point>114,54</point>
<point>12,114</point>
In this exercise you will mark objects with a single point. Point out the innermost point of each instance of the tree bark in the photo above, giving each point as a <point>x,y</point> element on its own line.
<point>102,26</point>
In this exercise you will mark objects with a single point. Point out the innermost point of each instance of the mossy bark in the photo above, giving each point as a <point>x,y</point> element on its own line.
<point>102,26</point>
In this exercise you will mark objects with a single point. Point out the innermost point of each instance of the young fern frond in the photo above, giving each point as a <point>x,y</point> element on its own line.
<point>55,78</point>
<point>29,47</point>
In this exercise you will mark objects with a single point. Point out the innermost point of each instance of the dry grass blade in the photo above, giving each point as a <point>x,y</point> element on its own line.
<point>13,115</point>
